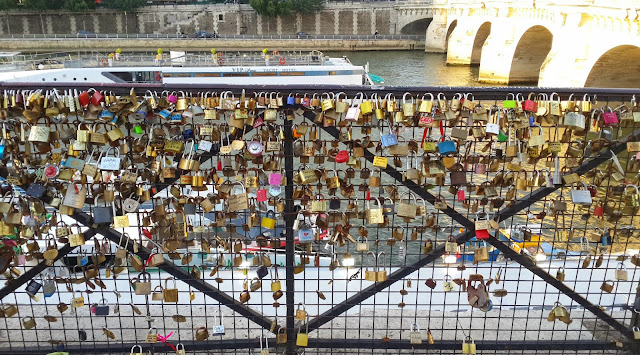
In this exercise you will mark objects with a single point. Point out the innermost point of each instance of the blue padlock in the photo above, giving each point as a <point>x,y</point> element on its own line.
<point>106,115</point>
<point>2,146</point>
<point>388,140</point>
<point>175,117</point>
<point>532,121</point>
<point>84,260</point>
<point>291,100</point>
<point>606,240</point>
<point>164,113</point>
<point>447,147</point>
<point>188,134</point>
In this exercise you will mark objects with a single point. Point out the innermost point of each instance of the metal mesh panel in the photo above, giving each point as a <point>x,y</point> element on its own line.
<point>357,299</point>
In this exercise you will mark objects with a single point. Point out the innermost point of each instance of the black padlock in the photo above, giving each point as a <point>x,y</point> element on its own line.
<point>102,309</point>
<point>334,203</point>
<point>82,335</point>
<point>262,271</point>
<point>33,287</point>
<point>36,190</point>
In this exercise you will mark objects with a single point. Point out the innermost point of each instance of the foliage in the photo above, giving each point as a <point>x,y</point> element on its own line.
<point>78,5</point>
<point>37,5</point>
<point>271,8</point>
<point>6,5</point>
<point>125,5</point>
<point>307,6</point>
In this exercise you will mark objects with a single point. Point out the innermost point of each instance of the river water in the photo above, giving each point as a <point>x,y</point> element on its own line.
<point>416,68</point>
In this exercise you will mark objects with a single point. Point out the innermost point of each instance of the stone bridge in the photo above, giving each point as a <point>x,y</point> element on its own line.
<point>561,43</point>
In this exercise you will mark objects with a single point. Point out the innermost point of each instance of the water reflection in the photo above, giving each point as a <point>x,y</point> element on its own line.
<point>414,68</point>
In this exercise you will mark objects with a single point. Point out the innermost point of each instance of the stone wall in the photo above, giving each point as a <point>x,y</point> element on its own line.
<point>343,19</point>
<point>129,45</point>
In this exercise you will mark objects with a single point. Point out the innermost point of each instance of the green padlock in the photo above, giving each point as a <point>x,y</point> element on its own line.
<point>502,137</point>
<point>510,102</point>
<point>138,130</point>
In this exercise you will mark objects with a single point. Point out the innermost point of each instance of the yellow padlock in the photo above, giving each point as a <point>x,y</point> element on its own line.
<point>303,338</point>
<point>468,346</point>
<point>269,221</point>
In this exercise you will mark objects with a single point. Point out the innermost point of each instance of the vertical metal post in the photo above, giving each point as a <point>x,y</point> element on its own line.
<point>289,216</point>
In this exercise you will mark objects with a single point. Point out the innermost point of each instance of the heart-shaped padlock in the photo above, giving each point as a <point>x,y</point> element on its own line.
<point>342,156</point>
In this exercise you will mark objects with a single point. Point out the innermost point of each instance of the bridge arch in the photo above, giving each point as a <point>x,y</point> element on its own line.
<point>417,27</point>
<point>530,53</point>
<point>617,67</point>
<point>481,36</point>
<point>452,26</point>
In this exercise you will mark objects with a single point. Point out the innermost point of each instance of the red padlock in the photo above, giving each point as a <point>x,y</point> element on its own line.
<point>261,195</point>
<point>482,234</point>
<point>97,98</point>
<point>84,98</point>
<point>530,105</point>
<point>598,210</point>
<point>592,190</point>
<point>342,156</point>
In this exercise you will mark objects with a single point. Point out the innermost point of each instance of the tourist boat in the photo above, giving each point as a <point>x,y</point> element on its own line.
<point>231,68</point>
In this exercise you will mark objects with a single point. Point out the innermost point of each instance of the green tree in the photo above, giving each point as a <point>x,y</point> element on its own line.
<point>6,5</point>
<point>76,5</point>
<point>125,6</point>
<point>307,6</point>
<point>271,8</point>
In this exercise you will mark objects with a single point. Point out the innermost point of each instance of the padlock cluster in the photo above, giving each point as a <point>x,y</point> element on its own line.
<point>210,181</point>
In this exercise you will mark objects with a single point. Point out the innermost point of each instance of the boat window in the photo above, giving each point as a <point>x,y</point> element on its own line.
<point>135,76</point>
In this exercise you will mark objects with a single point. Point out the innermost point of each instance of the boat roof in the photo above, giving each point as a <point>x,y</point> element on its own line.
<point>12,61</point>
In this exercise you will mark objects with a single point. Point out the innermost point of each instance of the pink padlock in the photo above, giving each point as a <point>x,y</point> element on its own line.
<point>172,98</point>
<point>480,168</point>
<point>609,117</point>
<point>461,196</point>
<point>22,259</point>
<point>275,179</point>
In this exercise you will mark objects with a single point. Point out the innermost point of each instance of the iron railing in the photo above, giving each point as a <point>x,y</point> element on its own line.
<point>500,328</point>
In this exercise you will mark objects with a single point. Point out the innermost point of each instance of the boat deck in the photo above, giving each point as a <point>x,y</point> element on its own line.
<point>15,61</point>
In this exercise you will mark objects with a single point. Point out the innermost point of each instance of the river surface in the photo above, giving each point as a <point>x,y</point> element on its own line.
<point>417,68</point>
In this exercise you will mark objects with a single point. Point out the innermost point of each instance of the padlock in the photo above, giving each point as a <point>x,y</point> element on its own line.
<point>101,309</point>
<point>170,294</point>
<point>415,338</point>
<point>264,350</point>
<point>142,283</point>
<point>469,346</point>
<point>302,339</point>
<point>152,336</point>
<point>269,221</point>
<point>607,286</point>
<point>136,350</point>
<point>581,197</point>
<point>28,322</point>
<point>362,246</point>
<point>621,272</point>
<point>202,334</point>
<point>447,284</point>
<point>301,313</point>
<point>33,287</point>
<point>218,328</point>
